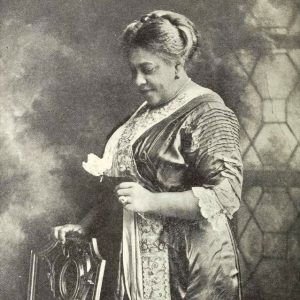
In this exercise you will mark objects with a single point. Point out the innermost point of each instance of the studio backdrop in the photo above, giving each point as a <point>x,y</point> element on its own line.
<point>64,86</point>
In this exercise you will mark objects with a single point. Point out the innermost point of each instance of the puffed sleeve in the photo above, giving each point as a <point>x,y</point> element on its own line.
<point>211,148</point>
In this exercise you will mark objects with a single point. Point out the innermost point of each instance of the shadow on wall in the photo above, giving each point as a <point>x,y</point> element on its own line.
<point>64,86</point>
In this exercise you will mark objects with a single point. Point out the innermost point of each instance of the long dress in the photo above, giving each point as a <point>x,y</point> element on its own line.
<point>190,143</point>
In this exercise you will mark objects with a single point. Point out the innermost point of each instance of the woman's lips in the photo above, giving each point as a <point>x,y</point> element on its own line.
<point>145,91</point>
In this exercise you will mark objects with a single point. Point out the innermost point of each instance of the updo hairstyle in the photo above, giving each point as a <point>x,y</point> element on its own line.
<point>167,34</point>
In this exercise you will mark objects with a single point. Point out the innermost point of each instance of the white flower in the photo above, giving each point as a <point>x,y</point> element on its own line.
<point>96,165</point>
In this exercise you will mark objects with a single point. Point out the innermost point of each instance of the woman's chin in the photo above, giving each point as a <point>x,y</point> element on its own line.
<point>153,101</point>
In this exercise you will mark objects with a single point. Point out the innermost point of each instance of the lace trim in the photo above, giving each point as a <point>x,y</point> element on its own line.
<point>150,231</point>
<point>140,122</point>
<point>155,263</point>
<point>154,254</point>
<point>155,278</point>
<point>144,118</point>
<point>209,207</point>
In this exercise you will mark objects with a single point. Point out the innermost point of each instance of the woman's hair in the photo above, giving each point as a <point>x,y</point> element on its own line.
<point>165,33</point>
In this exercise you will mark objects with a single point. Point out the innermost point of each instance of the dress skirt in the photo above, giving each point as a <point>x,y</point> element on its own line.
<point>203,263</point>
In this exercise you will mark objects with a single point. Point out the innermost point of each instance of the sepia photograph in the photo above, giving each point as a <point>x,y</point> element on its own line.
<point>149,150</point>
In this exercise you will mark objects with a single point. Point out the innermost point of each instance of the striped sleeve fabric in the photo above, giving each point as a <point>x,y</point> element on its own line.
<point>214,154</point>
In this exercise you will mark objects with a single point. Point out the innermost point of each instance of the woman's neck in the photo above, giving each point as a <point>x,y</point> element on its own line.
<point>180,88</point>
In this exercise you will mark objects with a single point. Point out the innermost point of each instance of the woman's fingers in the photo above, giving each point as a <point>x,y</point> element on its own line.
<point>124,200</point>
<point>60,232</point>
<point>64,230</point>
<point>124,192</point>
<point>62,235</point>
<point>55,231</point>
<point>125,189</point>
<point>126,185</point>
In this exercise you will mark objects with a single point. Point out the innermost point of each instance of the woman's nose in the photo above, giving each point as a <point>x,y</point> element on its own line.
<point>139,79</point>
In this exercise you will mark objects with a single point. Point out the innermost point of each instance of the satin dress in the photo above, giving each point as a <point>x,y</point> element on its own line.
<point>190,143</point>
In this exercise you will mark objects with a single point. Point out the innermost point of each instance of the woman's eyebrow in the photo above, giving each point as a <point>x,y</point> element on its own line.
<point>146,63</point>
<point>142,64</point>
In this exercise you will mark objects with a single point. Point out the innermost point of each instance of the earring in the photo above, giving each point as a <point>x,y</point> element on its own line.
<point>176,76</point>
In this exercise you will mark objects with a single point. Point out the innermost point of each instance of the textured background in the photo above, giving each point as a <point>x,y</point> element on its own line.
<point>65,86</point>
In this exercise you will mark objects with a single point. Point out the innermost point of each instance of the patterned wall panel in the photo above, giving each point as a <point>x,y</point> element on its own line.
<point>268,222</point>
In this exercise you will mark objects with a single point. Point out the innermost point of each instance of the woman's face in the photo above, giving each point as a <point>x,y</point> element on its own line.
<point>154,78</point>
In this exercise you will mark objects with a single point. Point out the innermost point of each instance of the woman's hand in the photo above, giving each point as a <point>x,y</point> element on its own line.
<point>59,232</point>
<point>134,197</point>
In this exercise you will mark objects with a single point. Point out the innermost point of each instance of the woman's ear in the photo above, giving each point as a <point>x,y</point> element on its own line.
<point>178,70</point>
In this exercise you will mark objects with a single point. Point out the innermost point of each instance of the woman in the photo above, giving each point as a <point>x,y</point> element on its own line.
<point>182,149</point>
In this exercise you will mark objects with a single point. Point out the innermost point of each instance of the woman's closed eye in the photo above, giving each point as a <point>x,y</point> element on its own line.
<point>143,70</point>
<point>147,69</point>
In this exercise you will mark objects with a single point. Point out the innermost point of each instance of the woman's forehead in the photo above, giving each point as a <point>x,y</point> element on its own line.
<point>139,56</point>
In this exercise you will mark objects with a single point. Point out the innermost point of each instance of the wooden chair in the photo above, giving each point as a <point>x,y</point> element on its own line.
<point>70,271</point>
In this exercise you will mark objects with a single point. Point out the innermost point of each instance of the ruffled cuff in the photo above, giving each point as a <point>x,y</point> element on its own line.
<point>209,207</point>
